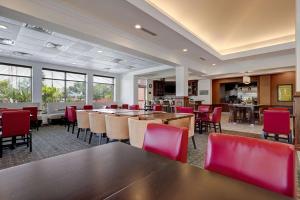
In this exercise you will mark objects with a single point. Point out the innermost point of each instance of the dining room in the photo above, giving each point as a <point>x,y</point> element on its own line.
<point>133,100</point>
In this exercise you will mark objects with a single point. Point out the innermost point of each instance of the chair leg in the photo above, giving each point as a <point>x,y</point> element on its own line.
<point>73,127</point>
<point>290,138</point>
<point>265,135</point>
<point>79,129</point>
<point>194,143</point>
<point>91,135</point>
<point>100,138</point>
<point>27,140</point>
<point>220,127</point>
<point>107,140</point>
<point>86,131</point>
<point>68,127</point>
<point>30,144</point>
<point>276,137</point>
<point>215,127</point>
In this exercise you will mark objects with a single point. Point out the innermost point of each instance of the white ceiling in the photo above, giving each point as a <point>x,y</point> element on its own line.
<point>231,26</point>
<point>74,52</point>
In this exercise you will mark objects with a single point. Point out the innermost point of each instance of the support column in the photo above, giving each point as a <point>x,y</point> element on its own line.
<point>182,77</point>
<point>297,95</point>
<point>37,78</point>
<point>89,88</point>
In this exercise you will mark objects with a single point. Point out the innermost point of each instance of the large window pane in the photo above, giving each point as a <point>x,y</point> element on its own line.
<point>53,91</point>
<point>75,91</point>
<point>49,74</point>
<point>15,84</point>
<point>103,93</point>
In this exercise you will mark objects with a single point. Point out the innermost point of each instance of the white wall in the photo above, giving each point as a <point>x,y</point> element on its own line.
<point>204,84</point>
<point>37,77</point>
<point>128,89</point>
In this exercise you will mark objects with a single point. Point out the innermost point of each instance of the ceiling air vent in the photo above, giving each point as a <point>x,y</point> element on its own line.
<point>6,41</point>
<point>131,67</point>
<point>38,29</point>
<point>148,31</point>
<point>20,53</point>
<point>203,59</point>
<point>117,60</point>
<point>53,45</point>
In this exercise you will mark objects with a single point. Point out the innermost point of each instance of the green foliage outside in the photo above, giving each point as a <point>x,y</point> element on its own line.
<point>102,92</point>
<point>10,94</point>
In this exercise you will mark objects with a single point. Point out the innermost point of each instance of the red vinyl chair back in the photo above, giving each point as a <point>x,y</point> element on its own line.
<point>204,108</point>
<point>88,107</point>
<point>114,106</point>
<point>124,106</point>
<point>9,120</point>
<point>167,141</point>
<point>266,164</point>
<point>33,111</point>
<point>181,109</point>
<point>134,107</point>
<point>71,114</point>
<point>278,108</point>
<point>66,111</point>
<point>216,115</point>
<point>277,122</point>
<point>157,107</point>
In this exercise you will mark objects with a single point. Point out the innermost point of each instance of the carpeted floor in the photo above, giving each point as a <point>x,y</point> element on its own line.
<point>55,140</point>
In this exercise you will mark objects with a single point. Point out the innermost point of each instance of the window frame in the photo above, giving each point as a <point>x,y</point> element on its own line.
<point>30,77</point>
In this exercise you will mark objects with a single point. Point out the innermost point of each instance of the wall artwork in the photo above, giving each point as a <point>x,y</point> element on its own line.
<point>285,92</point>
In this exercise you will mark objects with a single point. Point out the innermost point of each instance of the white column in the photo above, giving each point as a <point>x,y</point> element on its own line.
<point>298,45</point>
<point>89,88</point>
<point>182,77</point>
<point>37,78</point>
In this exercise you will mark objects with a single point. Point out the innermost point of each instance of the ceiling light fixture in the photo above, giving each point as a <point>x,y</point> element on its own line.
<point>3,27</point>
<point>74,63</point>
<point>184,50</point>
<point>214,64</point>
<point>99,51</point>
<point>137,26</point>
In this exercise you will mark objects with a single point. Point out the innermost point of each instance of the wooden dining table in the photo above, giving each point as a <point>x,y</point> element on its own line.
<point>124,112</point>
<point>166,117</point>
<point>120,171</point>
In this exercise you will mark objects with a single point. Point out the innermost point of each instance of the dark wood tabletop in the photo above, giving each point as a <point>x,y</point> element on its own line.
<point>166,117</point>
<point>119,171</point>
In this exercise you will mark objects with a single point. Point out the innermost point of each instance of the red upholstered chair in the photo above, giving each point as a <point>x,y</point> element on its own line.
<point>266,164</point>
<point>33,118</point>
<point>167,141</point>
<point>277,122</point>
<point>203,115</point>
<point>124,106</point>
<point>181,109</point>
<point>88,107</point>
<point>114,106</point>
<point>214,120</point>
<point>72,118</point>
<point>157,107</point>
<point>134,107</point>
<point>66,116</point>
<point>11,130</point>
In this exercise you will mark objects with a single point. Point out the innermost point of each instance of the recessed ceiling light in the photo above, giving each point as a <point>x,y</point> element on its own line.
<point>214,64</point>
<point>99,51</point>
<point>6,41</point>
<point>74,63</point>
<point>3,27</point>
<point>184,50</point>
<point>137,26</point>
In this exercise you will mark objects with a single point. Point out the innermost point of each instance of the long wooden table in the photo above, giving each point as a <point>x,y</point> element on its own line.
<point>166,117</point>
<point>125,112</point>
<point>119,171</point>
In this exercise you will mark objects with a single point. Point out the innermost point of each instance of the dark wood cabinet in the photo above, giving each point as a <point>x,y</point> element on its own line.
<point>193,87</point>
<point>158,88</point>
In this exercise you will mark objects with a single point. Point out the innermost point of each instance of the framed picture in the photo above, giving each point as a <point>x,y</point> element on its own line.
<point>285,93</point>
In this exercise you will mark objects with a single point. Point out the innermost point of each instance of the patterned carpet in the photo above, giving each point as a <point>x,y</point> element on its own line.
<point>55,140</point>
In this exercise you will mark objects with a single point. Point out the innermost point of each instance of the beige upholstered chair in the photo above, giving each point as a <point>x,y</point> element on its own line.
<point>188,123</point>
<point>116,127</point>
<point>97,125</point>
<point>137,128</point>
<point>82,122</point>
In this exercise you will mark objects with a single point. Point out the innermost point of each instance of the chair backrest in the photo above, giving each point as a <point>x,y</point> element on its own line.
<point>216,115</point>
<point>204,108</point>
<point>181,109</point>
<point>124,106</point>
<point>71,113</point>
<point>277,122</point>
<point>278,108</point>
<point>134,107</point>
<point>33,111</point>
<point>88,107</point>
<point>97,122</point>
<point>9,120</point>
<point>157,107</point>
<point>117,127</point>
<point>137,129</point>
<point>114,106</point>
<point>267,164</point>
<point>167,141</point>
<point>185,122</point>
<point>82,119</point>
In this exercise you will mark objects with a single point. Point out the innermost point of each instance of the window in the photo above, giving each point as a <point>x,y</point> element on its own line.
<point>15,83</point>
<point>61,86</point>
<point>103,89</point>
